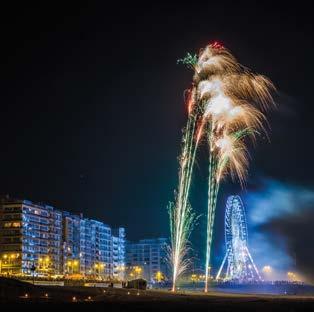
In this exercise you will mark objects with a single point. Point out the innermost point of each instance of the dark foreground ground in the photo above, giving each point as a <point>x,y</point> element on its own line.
<point>19,296</point>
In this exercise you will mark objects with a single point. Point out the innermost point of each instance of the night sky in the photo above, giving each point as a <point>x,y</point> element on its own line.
<point>92,107</point>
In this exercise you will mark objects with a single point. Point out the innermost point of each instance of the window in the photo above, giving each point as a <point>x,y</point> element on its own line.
<point>10,232</point>
<point>44,213</point>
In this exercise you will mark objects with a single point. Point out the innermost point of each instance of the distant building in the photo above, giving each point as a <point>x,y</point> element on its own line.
<point>118,253</point>
<point>87,247</point>
<point>71,243</point>
<point>95,248</point>
<point>57,242</point>
<point>30,235</point>
<point>147,258</point>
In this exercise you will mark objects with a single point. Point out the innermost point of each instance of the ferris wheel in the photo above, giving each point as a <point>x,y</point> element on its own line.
<point>237,264</point>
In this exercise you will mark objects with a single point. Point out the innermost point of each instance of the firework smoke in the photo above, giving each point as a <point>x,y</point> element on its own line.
<point>226,104</point>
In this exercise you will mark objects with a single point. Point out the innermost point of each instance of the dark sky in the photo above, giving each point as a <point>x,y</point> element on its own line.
<point>92,101</point>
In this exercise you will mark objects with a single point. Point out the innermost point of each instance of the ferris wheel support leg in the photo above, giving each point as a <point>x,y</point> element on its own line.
<point>254,266</point>
<point>228,273</point>
<point>222,265</point>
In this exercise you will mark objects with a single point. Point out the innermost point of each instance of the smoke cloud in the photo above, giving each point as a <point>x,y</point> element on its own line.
<point>280,219</point>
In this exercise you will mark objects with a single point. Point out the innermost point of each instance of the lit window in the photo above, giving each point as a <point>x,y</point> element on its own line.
<point>16,224</point>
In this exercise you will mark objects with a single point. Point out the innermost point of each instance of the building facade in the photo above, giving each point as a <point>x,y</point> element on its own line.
<point>147,259</point>
<point>95,246</point>
<point>118,253</point>
<point>56,242</point>
<point>30,236</point>
<point>71,249</point>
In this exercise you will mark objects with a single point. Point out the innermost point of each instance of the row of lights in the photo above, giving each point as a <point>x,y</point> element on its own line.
<point>76,262</point>
<point>27,295</point>
<point>195,277</point>
<point>267,269</point>
<point>11,256</point>
<point>137,294</point>
<point>44,262</point>
<point>74,299</point>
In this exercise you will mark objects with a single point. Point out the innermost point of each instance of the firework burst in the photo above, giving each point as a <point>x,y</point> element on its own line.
<point>226,105</point>
<point>233,99</point>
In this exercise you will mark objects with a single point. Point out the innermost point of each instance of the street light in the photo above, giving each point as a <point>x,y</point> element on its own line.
<point>292,276</point>
<point>69,265</point>
<point>138,270</point>
<point>96,270</point>
<point>159,276</point>
<point>44,263</point>
<point>102,266</point>
<point>47,263</point>
<point>40,261</point>
<point>194,279</point>
<point>97,267</point>
<point>267,269</point>
<point>121,269</point>
<point>33,269</point>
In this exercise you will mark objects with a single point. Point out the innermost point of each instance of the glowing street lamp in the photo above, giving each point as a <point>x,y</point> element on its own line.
<point>120,270</point>
<point>138,271</point>
<point>97,268</point>
<point>69,265</point>
<point>159,276</point>
<point>267,272</point>
<point>267,269</point>
<point>193,278</point>
<point>292,276</point>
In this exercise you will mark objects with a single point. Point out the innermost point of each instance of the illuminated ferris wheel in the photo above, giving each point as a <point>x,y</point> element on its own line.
<point>237,264</point>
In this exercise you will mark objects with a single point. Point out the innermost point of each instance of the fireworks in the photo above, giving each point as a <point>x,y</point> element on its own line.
<point>226,105</point>
<point>233,100</point>
<point>180,213</point>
